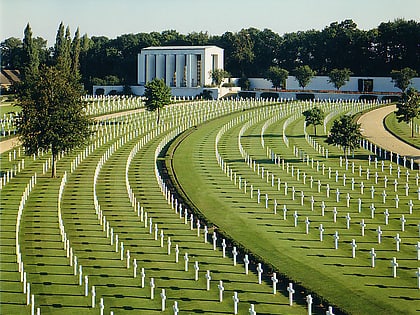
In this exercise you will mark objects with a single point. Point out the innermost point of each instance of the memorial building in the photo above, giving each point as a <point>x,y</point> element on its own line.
<point>179,66</point>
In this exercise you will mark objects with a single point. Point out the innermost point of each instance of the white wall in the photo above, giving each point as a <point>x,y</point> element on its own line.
<point>320,83</point>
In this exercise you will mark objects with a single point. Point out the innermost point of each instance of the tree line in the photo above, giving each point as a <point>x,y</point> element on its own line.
<point>248,53</point>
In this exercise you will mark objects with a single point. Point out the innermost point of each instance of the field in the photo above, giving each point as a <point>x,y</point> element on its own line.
<point>124,184</point>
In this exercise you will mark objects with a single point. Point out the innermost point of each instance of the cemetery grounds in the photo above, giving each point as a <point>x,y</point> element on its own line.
<point>115,208</point>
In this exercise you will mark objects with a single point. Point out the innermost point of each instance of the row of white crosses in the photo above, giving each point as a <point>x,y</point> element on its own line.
<point>69,251</point>
<point>174,203</point>
<point>64,237</point>
<point>229,172</point>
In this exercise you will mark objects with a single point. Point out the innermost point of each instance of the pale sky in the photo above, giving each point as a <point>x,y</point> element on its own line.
<point>112,18</point>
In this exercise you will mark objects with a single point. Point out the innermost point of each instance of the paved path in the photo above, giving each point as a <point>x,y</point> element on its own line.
<point>9,144</point>
<point>373,129</point>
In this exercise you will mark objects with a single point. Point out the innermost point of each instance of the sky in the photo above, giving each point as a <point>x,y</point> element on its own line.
<point>112,18</point>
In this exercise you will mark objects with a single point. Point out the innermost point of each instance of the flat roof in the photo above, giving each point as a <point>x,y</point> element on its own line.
<point>179,47</point>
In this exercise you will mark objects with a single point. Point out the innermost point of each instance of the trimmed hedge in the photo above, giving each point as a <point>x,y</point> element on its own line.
<point>305,96</point>
<point>246,94</point>
<point>269,95</point>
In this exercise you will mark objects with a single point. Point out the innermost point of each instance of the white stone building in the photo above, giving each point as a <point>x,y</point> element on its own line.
<point>179,66</point>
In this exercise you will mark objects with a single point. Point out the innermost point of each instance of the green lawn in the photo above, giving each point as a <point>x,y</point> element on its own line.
<point>349,283</point>
<point>402,130</point>
<point>52,281</point>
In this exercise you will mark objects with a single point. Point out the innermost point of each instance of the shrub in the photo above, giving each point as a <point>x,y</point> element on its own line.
<point>305,96</point>
<point>228,84</point>
<point>368,97</point>
<point>269,95</point>
<point>391,98</point>
<point>100,91</point>
<point>243,94</point>
<point>244,83</point>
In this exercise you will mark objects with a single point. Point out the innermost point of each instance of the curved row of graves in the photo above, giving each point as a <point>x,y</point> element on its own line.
<point>346,228</point>
<point>105,239</point>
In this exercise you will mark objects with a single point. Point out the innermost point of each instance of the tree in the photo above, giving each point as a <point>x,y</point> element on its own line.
<point>218,75</point>
<point>243,52</point>
<point>409,107</point>
<point>314,116</point>
<point>339,77</point>
<point>277,76</point>
<point>402,79</point>
<point>346,133</point>
<point>52,116</point>
<point>75,53</point>
<point>30,54</point>
<point>157,94</point>
<point>304,75</point>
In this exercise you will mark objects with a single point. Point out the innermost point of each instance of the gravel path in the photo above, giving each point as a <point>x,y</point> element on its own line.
<point>373,129</point>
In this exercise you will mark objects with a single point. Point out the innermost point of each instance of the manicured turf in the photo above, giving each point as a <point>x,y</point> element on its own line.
<point>402,130</point>
<point>349,283</point>
<point>57,290</point>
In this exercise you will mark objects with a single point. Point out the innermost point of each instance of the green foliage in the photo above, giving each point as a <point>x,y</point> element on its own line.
<point>228,84</point>
<point>277,76</point>
<point>303,75</point>
<point>246,94</point>
<point>345,133</point>
<point>218,75</point>
<point>305,96</point>
<point>30,60</point>
<point>409,107</point>
<point>269,95</point>
<point>368,97</point>
<point>206,95</point>
<point>244,83</point>
<point>157,94</point>
<point>52,116</point>
<point>339,77</point>
<point>314,116</point>
<point>402,78</point>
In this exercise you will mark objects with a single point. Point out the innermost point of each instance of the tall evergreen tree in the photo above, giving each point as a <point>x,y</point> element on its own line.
<point>30,54</point>
<point>62,49</point>
<point>75,53</point>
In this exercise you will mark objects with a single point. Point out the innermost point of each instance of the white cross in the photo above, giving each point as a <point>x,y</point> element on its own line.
<point>321,231</point>
<point>386,213</point>
<point>246,263</point>
<point>363,225</point>
<point>196,268</point>
<point>348,219</point>
<point>394,266</point>
<point>353,248</point>
<point>336,238</point>
<point>291,292</point>
<point>260,270</point>
<point>221,289</point>
<point>275,281</point>
<point>379,234</point>
<point>309,302</point>
<point>208,278</point>
<point>234,253</point>
<point>235,302</point>
<point>397,241</point>
<point>373,257</point>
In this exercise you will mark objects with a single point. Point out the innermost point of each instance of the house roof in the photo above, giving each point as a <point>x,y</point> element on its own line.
<point>8,77</point>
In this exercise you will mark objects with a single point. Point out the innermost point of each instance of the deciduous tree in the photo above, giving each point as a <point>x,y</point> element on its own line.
<point>218,75</point>
<point>402,78</point>
<point>339,77</point>
<point>409,107</point>
<point>346,133</point>
<point>52,116</point>
<point>277,76</point>
<point>304,75</point>
<point>314,116</point>
<point>157,94</point>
